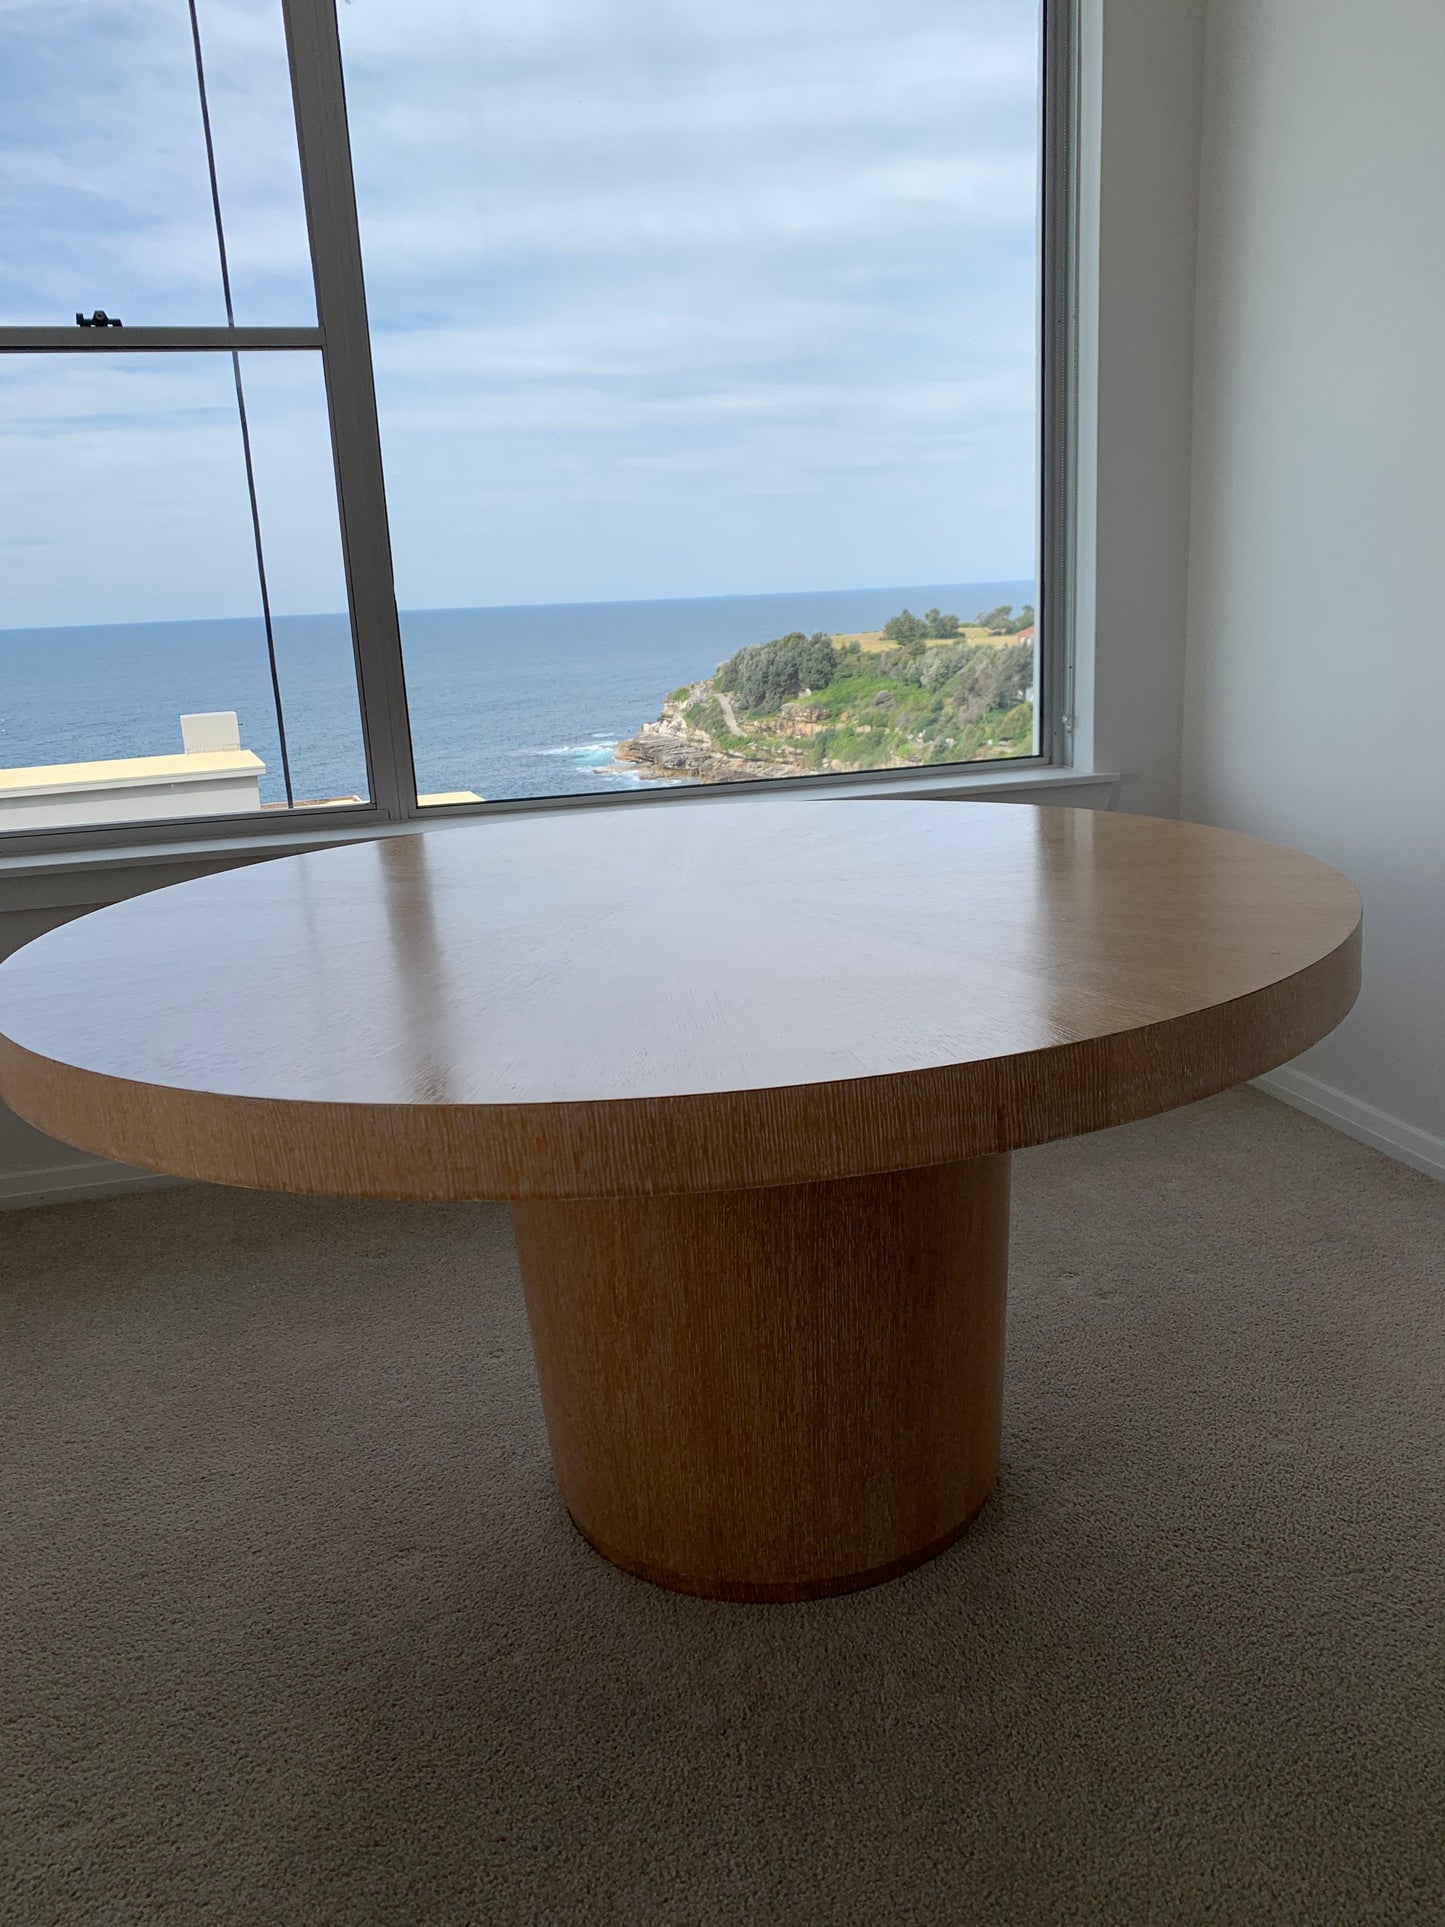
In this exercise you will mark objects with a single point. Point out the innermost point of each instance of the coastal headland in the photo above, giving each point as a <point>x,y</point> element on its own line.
<point>923,689</point>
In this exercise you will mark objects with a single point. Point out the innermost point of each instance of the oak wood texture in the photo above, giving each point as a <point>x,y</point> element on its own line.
<point>749,1071</point>
<point>775,1394</point>
<point>679,998</point>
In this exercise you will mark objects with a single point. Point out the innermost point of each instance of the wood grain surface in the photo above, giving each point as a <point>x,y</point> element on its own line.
<point>682,998</point>
<point>777,1394</point>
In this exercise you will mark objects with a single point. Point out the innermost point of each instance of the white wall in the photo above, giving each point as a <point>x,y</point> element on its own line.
<point>1315,694</point>
<point>146,798</point>
<point>1142,82</point>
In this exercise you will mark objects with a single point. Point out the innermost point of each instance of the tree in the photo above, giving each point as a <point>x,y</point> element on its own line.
<point>764,676</point>
<point>999,621</point>
<point>940,626</point>
<point>817,661</point>
<point>1006,680</point>
<point>939,664</point>
<point>907,631</point>
<point>980,676</point>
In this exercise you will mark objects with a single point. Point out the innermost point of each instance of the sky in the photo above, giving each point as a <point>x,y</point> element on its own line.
<point>667,299</point>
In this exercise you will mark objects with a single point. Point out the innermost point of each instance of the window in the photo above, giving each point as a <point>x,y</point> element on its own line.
<point>675,372</point>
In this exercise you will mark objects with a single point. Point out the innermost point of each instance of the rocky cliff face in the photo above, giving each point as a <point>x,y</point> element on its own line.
<point>680,745</point>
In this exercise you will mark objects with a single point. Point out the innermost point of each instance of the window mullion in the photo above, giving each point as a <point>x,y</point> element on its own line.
<point>110,341</point>
<point>314,48</point>
<point>1058,384</point>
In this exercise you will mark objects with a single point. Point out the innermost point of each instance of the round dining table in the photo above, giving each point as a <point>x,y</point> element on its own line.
<point>750,1073</point>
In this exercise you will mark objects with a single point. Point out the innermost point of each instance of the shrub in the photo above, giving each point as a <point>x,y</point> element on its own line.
<point>764,676</point>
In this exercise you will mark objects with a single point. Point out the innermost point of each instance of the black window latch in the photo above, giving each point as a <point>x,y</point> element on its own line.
<point>100,319</point>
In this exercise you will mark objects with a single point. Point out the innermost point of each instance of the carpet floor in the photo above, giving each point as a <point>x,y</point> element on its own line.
<point>293,1628</point>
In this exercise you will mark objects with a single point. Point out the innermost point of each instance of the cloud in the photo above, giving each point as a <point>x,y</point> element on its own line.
<point>633,270</point>
<point>123,479</point>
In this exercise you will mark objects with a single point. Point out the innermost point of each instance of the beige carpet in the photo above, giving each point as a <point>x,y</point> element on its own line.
<point>293,1628</point>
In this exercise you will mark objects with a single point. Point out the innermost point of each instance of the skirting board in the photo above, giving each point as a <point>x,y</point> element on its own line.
<point>66,1183</point>
<point>1421,1150</point>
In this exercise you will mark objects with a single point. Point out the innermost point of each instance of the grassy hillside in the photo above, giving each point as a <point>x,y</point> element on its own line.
<point>904,695</point>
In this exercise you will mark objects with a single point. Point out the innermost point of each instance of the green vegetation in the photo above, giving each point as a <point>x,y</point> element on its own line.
<point>941,705</point>
<point>914,633</point>
<point>1003,622</point>
<point>929,695</point>
<point>706,713</point>
<point>765,676</point>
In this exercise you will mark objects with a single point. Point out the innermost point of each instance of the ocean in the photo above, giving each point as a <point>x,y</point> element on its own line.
<point>508,702</point>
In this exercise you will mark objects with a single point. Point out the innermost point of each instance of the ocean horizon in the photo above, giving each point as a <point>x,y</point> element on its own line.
<point>509,701</point>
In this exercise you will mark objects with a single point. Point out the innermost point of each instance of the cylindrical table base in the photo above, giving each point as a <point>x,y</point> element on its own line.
<point>773,1394</point>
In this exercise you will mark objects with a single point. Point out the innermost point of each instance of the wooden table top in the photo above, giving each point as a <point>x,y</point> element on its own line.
<point>687,997</point>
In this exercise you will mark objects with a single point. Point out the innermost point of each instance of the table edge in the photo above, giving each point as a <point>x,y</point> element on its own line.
<point>710,1141</point>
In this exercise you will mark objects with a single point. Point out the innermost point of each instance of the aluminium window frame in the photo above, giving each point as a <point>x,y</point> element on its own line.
<point>342,338</point>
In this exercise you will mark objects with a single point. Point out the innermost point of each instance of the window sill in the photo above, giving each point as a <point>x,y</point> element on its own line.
<point>73,879</point>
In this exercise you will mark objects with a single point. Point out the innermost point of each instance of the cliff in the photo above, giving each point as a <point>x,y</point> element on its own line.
<point>809,704</point>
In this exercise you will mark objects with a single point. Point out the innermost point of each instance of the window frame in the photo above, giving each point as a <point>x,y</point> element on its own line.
<point>342,338</point>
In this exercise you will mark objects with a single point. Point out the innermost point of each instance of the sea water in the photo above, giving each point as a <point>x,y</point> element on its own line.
<point>507,702</point>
